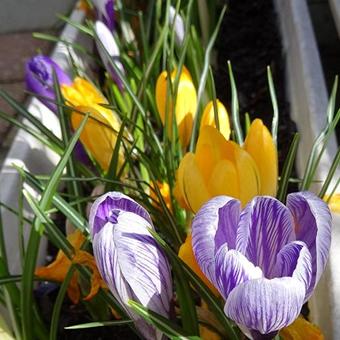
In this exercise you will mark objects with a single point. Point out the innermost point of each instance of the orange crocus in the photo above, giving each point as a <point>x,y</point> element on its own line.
<point>301,329</point>
<point>58,269</point>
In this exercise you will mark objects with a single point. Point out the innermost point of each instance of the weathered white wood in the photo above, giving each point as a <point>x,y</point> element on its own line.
<point>308,99</point>
<point>335,8</point>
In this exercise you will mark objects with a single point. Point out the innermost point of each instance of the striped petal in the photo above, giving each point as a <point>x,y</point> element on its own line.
<point>128,258</point>
<point>295,260</point>
<point>265,306</point>
<point>313,223</point>
<point>232,269</point>
<point>265,227</point>
<point>213,226</point>
<point>107,207</point>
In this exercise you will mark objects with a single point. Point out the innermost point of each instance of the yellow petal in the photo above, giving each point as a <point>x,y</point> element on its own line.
<point>334,203</point>
<point>208,118</point>
<point>99,135</point>
<point>194,187</point>
<point>211,137</point>
<point>224,180</point>
<point>301,329</point>
<point>186,102</point>
<point>187,255</point>
<point>86,259</point>
<point>248,173</point>
<point>260,145</point>
<point>164,189</point>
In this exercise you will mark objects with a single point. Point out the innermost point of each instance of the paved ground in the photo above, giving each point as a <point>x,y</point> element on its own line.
<point>15,50</point>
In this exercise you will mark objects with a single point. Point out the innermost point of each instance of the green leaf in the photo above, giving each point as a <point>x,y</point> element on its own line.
<point>235,114</point>
<point>201,288</point>
<point>334,167</point>
<point>58,304</point>
<point>273,98</point>
<point>100,324</point>
<point>34,239</point>
<point>203,80</point>
<point>160,322</point>
<point>287,168</point>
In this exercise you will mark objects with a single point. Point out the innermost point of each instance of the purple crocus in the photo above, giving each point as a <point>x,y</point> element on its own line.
<point>128,258</point>
<point>39,78</point>
<point>108,49</point>
<point>266,259</point>
<point>105,12</point>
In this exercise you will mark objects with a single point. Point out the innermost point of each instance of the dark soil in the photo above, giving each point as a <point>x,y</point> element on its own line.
<point>250,39</point>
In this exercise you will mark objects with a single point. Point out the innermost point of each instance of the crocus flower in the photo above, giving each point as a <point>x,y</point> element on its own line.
<point>100,132</point>
<point>39,78</point>
<point>105,12</point>
<point>222,167</point>
<point>208,118</point>
<point>266,259</point>
<point>218,167</point>
<point>108,42</point>
<point>58,269</point>
<point>176,20</point>
<point>301,329</point>
<point>185,108</point>
<point>129,259</point>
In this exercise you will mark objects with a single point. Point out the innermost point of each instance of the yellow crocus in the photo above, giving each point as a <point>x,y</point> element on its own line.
<point>208,118</point>
<point>164,190</point>
<point>301,329</point>
<point>218,167</point>
<point>58,269</point>
<point>334,202</point>
<point>100,132</point>
<point>260,145</point>
<point>186,102</point>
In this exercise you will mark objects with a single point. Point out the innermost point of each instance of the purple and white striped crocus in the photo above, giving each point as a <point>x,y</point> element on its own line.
<point>105,12</point>
<point>265,259</point>
<point>39,78</point>
<point>108,49</point>
<point>176,20</point>
<point>129,259</point>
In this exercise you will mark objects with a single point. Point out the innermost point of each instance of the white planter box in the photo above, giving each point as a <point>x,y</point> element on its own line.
<point>308,99</point>
<point>27,152</point>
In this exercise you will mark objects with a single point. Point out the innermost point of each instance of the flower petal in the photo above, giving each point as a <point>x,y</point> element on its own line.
<point>39,78</point>
<point>208,118</point>
<point>128,258</point>
<point>192,180</point>
<point>106,208</point>
<point>301,329</point>
<point>214,225</point>
<point>313,223</point>
<point>266,226</point>
<point>260,145</point>
<point>266,305</point>
<point>295,260</point>
<point>186,254</point>
<point>232,269</point>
